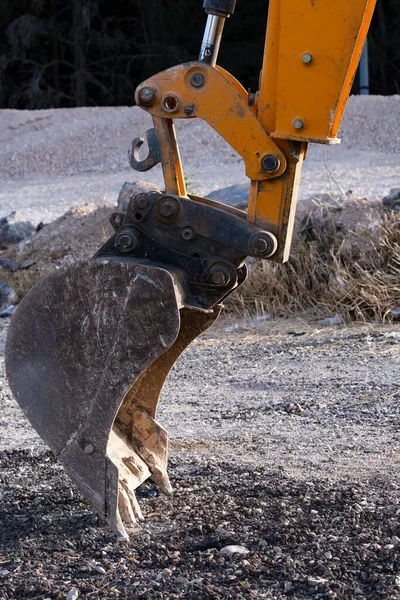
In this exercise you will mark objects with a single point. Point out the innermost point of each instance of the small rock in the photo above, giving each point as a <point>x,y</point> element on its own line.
<point>358,592</point>
<point>392,201</point>
<point>389,547</point>
<point>314,581</point>
<point>8,296</point>
<point>335,320</point>
<point>8,264</point>
<point>8,312</point>
<point>230,550</point>
<point>393,312</point>
<point>13,229</point>
<point>313,512</point>
<point>198,581</point>
<point>29,262</point>
<point>4,572</point>
<point>165,574</point>
<point>73,594</point>
<point>224,532</point>
<point>129,190</point>
<point>395,540</point>
<point>287,586</point>
<point>395,335</point>
<point>234,195</point>
<point>182,581</point>
<point>294,408</point>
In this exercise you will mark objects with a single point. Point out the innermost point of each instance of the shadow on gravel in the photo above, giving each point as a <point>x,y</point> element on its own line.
<point>305,540</point>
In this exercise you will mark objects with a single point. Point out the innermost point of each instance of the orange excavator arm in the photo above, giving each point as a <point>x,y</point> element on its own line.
<point>91,345</point>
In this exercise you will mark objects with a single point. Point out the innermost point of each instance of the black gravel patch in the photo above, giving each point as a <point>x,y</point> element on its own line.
<point>307,540</point>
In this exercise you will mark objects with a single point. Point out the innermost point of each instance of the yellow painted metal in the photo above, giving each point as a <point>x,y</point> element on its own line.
<point>221,103</point>
<point>170,157</point>
<point>311,56</point>
<point>272,203</point>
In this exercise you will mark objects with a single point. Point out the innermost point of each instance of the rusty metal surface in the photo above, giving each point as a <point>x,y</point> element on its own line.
<point>76,343</point>
<point>221,104</point>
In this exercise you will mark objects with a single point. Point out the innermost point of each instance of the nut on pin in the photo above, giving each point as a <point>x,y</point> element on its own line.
<point>147,96</point>
<point>219,275</point>
<point>263,245</point>
<point>126,241</point>
<point>168,208</point>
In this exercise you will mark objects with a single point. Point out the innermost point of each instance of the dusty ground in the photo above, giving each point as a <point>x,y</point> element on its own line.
<point>285,435</point>
<point>53,159</point>
<point>312,492</point>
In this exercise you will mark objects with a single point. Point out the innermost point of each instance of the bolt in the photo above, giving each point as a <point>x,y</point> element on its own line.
<point>298,124</point>
<point>197,80</point>
<point>168,208</point>
<point>307,58</point>
<point>252,98</point>
<point>147,95</point>
<point>263,245</point>
<point>189,110</point>
<point>88,449</point>
<point>271,163</point>
<point>116,219</point>
<point>188,234</point>
<point>219,276</point>
<point>141,201</point>
<point>126,241</point>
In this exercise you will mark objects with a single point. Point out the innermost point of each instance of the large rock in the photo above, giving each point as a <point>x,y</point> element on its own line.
<point>129,190</point>
<point>392,202</point>
<point>8,296</point>
<point>234,195</point>
<point>14,229</point>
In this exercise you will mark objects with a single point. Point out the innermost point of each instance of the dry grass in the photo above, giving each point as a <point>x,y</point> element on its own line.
<point>327,275</point>
<point>345,259</point>
<point>21,281</point>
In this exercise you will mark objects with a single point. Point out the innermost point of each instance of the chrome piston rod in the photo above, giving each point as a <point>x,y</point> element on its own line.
<point>212,39</point>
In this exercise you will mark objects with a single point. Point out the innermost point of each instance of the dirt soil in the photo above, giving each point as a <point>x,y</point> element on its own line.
<point>285,440</point>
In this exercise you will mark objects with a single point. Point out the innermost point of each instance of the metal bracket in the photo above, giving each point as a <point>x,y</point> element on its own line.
<point>202,91</point>
<point>153,157</point>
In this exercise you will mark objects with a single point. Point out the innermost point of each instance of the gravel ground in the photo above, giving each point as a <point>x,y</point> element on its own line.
<point>285,440</point>
<point>54,159</point>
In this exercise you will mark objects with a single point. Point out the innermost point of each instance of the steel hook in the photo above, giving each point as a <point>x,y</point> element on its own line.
<point>153,157</point>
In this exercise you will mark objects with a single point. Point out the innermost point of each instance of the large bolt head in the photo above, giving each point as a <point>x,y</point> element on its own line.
<point>141,201</point>
<point>219,276</point>
<point>263,245</point>
<point>197,80</point>
<point>126,241</point>
<point>271,163</point>
<point>168,208</point>
<point>147,96</point>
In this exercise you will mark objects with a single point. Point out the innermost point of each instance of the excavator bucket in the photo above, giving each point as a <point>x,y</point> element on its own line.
<point>88,352</point>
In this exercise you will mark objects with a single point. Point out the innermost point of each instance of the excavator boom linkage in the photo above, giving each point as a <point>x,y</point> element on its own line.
<point>91,345</point>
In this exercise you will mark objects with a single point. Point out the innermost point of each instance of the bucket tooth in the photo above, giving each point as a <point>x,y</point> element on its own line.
<point>76,343</point>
